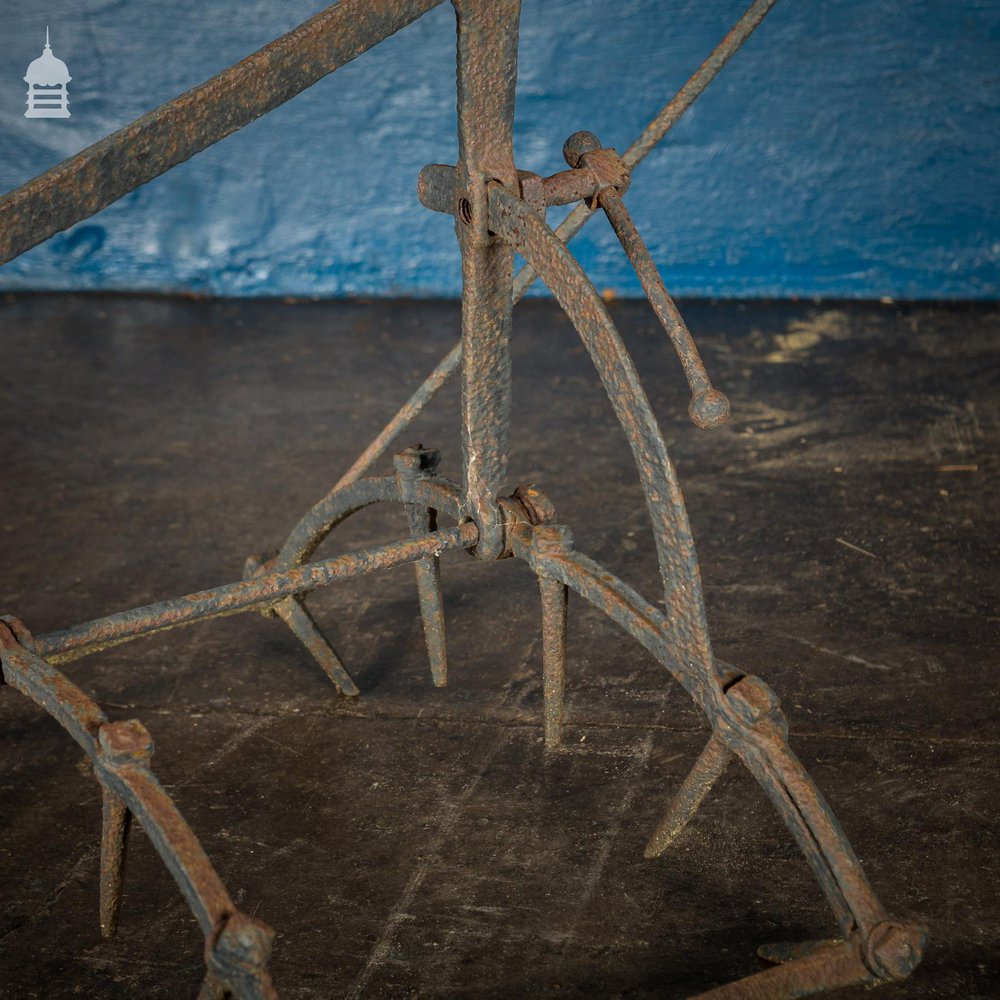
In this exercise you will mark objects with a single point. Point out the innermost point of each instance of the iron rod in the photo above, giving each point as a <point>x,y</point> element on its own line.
<point>246,595</point>
<point>106,171</point>
<point>487,73</point>
<point>428,571</point>
<point>659,298</point>
<point>827,969</point>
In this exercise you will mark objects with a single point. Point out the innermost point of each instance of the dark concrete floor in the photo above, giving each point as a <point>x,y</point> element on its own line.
<point>418,842</point>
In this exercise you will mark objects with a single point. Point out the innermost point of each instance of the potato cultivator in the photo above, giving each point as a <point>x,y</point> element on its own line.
<point>498,210</point>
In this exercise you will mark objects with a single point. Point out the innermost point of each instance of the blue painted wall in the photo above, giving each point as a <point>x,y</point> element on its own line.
<point>850,149</point>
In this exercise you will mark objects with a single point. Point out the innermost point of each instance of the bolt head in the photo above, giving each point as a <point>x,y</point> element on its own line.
<point>536,504</point>
<point>126,739</point>
<point>418,459</point>
<point>895,949</point>
<point>578,144</point>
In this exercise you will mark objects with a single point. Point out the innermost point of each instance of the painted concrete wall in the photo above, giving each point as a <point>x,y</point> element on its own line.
<point>850,149</point>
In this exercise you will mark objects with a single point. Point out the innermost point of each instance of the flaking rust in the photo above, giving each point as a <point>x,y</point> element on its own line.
<point>497,210</point>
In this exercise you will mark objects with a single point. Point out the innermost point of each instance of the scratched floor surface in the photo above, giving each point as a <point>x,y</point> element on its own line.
<point>418,842</point>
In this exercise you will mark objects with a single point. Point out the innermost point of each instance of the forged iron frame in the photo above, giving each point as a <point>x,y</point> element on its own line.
<point>498,210</point>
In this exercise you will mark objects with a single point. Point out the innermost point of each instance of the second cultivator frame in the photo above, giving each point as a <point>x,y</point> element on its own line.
<point>498,210</point>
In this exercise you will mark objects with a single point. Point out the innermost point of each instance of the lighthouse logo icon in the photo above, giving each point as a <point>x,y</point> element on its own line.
<point>46,79</point>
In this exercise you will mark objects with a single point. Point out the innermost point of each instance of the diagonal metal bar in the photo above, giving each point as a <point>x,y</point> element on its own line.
<point>709,407</point>
<point>175,131</point>
<point>296,616</point>
<point>708,768</point>
<point>652,134</point>
<point>246,595</point>
<point>830,968</point>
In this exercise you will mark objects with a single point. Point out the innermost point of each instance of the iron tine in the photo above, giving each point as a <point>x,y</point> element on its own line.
<point>550,540</point>
<point>423,520</point>
<point>294,614</point>
<point>414,465</point>
<point>707,770</point>
<point>116,820</point>
<point>555,598</point>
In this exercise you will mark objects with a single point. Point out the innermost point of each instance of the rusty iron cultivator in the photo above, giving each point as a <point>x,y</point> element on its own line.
<point>498,210</point>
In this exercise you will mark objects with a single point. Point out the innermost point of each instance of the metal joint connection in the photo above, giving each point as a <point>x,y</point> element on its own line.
<point>750,705</point>
<point>894,949</point>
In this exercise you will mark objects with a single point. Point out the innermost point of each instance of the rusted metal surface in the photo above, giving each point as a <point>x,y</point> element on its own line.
<point>827,969</point>
<point>709,407</point>
<point>555,608</point>
<point>498,210</point>
<point>540,247</point>
<point>120,753</point>
<point>707,770</point>
<point>116,821</point>
<point>412,465</point>
<point>747,721</point>
<point>254,594</point>
<point>487,72</point>
<point>651,135</point>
